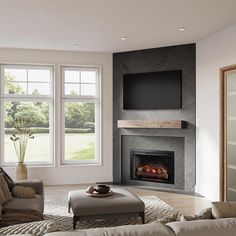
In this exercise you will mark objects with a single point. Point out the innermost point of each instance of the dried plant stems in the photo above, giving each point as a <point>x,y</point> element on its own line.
<point>20,137</point>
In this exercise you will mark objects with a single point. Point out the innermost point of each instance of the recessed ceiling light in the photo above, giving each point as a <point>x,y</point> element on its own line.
<point>182,29</point>
<point>123,38</point>
<point>76,45</point>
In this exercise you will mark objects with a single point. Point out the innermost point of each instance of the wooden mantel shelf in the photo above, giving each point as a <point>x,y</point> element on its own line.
<point>151,124</point>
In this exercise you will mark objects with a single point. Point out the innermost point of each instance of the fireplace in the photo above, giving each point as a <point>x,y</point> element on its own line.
<point>152,165</point>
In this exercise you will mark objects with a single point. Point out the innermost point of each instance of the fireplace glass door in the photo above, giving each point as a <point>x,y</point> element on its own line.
<point>152,165</point>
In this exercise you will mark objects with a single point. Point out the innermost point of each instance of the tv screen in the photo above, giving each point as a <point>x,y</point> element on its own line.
<point>153,90</point>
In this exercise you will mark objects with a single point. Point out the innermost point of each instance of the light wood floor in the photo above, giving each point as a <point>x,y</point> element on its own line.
<point>184,203</point>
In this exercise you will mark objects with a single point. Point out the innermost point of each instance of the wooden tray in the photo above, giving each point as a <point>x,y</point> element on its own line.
<point>95,194</point>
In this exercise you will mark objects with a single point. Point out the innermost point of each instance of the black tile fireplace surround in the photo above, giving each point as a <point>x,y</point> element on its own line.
<point>152,166</point>
<point>181,141</point>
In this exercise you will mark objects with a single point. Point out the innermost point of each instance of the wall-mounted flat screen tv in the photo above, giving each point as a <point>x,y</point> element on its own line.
<point>153,90</point>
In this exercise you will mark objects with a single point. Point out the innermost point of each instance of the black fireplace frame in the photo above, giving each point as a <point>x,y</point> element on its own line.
<point>154,153</point>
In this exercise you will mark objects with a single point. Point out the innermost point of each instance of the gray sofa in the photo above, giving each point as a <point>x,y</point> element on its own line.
<point>218,227</point>
<point>36,203</point>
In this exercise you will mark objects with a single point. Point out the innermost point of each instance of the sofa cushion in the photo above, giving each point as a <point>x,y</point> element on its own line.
<point>38,228</point>
<point>127,230</point>
<point>5,194</point>
<point>26,203</point>
<point>223,209</point>
<point>19,216</point>
<point>218,227</point>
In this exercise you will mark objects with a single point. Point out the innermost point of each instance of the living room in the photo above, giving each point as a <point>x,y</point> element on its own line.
<point>102,89</point>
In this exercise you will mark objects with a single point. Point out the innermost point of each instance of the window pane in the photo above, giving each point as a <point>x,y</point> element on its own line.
<point>15,88</point>
<point>15,74</point>
<point>38,88</point>
<point>72,76</point>
<point>88,77</point>
<point>80,82</point>
<point>80,139</point>
<point>88,89</point>
<point>72,89</point>
<point>27,81</point>
<point>39,75</point>
<point>38,149</point>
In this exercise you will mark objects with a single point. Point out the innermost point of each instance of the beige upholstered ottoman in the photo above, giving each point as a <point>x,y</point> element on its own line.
<point>122,203</point>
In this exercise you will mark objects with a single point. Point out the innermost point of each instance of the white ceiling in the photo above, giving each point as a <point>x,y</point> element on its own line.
<point>98,25</point>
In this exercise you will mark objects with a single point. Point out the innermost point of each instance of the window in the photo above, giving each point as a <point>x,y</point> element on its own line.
<point>27,92</point>
<point>81,109</point>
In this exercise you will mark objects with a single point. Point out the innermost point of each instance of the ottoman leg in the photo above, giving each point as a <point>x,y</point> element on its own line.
<point>142,215</point>
<point>74,222</point>
<point>69,207</point>
<point>75,219</point>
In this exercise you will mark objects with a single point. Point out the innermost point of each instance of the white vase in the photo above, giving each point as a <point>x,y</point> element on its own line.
<point>21,171</point>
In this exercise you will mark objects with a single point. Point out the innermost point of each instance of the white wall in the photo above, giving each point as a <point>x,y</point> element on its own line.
<point>213,53</point>
<point>73,174</point>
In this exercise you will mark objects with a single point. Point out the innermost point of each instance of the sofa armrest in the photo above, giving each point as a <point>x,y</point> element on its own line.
<point>37,185</point>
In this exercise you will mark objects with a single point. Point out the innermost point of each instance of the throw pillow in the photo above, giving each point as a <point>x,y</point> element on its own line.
<point>23,192</point>
<point>171,218</point>
<point>5,194</point>
<point>0,212</point>
<point>8,179</point>
<point>204,214</point>
<point>223,209</point>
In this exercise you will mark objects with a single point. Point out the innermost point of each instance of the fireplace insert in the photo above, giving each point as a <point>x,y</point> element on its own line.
<point>152,165</point>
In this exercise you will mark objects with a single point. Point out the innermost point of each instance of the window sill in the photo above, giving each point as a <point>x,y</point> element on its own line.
<point>62,165</point>
<point>30,166</point>
<point>79,164</point>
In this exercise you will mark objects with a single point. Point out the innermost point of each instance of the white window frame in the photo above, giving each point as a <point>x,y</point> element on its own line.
<point>82,98</point>
<point>27,98</point>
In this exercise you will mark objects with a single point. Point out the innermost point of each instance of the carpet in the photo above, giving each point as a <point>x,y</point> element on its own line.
<point>154,209</point>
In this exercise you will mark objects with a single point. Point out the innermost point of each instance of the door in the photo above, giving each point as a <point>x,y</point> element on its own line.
<point>229,135</point>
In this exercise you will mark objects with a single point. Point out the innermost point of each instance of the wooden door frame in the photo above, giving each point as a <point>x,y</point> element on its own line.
<point>222,150</point>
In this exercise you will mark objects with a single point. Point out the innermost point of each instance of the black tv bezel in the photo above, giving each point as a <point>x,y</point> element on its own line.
<point>140,109</point>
